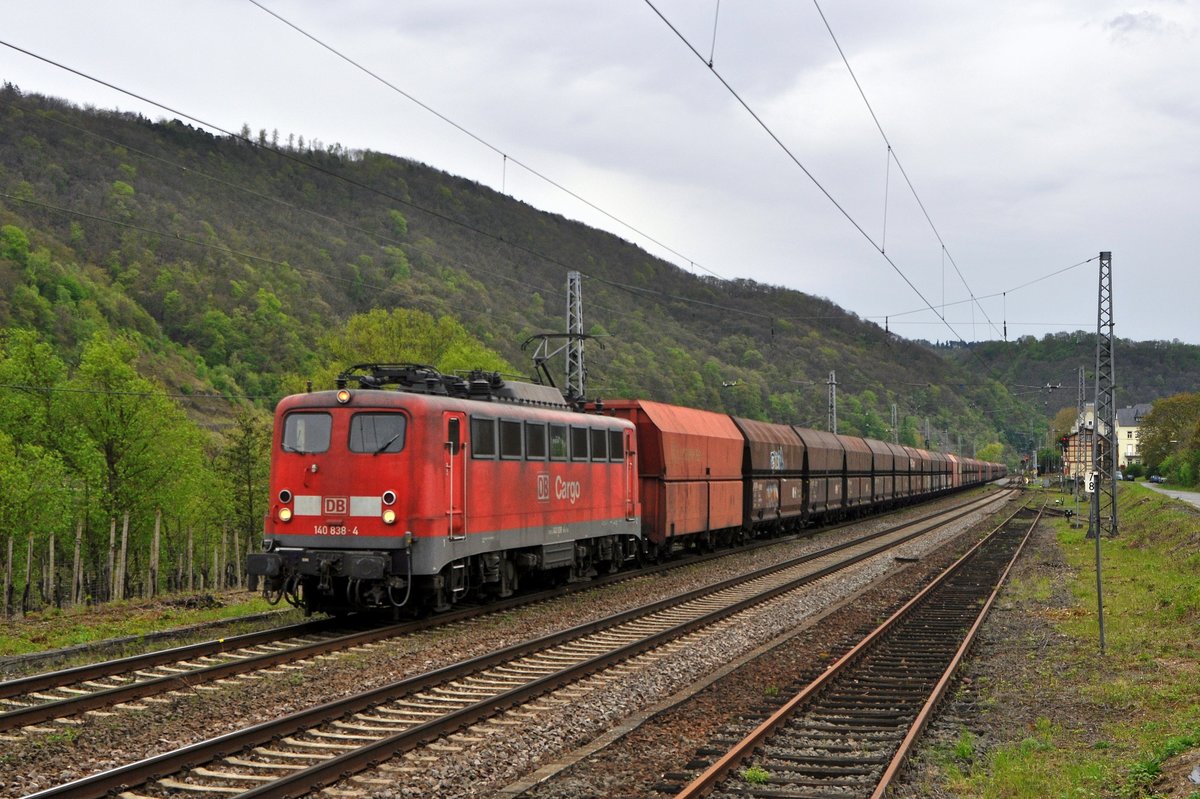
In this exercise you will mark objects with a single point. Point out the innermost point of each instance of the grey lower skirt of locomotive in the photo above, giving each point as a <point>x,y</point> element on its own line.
<point>332,581</point>
<point>382,581</point>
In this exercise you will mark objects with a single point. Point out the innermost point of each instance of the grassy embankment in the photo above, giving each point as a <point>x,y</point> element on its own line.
<point>1129,721</point>
<point>55,629</point>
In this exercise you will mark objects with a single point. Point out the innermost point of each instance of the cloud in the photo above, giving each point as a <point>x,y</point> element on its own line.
<point>1124,26</point>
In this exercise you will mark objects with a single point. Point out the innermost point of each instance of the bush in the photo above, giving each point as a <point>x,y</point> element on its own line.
<point>1182,468</point>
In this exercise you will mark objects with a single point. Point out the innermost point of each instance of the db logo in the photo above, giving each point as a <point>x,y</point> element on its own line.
<point>338,505</point>
<point>543,488</point>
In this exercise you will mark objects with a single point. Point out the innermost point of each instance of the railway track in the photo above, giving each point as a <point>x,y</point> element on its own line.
<point>316,747</point>
<point>98,688</point>
<point>848,732</point>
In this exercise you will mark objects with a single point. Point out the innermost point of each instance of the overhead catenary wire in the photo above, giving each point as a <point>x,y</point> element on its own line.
<point>117,393</point>
<point>482,141</point>
<point>799,164</point>
<point>192,171</point>
<point>892,156</point>
<point>406,203</point>
<point>285,154</point>
<point>1024,285</point>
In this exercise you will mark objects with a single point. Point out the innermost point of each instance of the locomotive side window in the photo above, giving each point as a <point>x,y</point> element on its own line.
<point>558,442</point>
<point>616,445</point>
<point>510,439</point>
<point>535,441</point>
<point>579,443</point>
<point>377,433</point>
<point>306,432</point>
<point>483,437</point>
<point>599,445</point>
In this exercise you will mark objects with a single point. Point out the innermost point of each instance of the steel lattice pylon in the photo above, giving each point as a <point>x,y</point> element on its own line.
<point>1103,517</point>
<point>576,375</point>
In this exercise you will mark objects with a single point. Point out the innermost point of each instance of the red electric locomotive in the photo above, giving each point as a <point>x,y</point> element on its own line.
<point>450,486</point>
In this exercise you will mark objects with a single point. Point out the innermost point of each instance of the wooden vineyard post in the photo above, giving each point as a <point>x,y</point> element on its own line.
<point>8,580</point>
<point>52,575</point>
<point>237,558</point>
<point>28,576</point>
<point>152,588</point>
<point>77,568</point>
<point>112,557</point>
<point>124,562</point>
<point>222,581</point>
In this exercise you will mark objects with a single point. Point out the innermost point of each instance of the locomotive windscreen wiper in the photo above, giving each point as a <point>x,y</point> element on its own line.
<point>389,442</point>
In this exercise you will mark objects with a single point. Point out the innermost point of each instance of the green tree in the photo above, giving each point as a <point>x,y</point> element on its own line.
<point>138,450</point>
<point>1063,421</point>
<point>14,244</point>
<point>402,336</point>
<point>992,452</point>
<point>29,370</point>
<point>1168,428</point>
<point>244,466</point>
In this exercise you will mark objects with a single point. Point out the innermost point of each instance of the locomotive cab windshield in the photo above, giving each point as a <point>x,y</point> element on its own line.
<point>307,433</point>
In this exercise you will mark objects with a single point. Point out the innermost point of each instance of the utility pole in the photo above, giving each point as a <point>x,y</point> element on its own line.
<point>895,427</point>
<point>576,375</point>
<point>833,425</point>
<point>1103,516</point>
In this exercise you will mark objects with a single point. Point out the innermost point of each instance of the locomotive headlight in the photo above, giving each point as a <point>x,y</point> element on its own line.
<point>389,516</point>
<point>343,396</point>
<point>285,514</point>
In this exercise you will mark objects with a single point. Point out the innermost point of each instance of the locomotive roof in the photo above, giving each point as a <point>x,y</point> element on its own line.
<point>417,378</point>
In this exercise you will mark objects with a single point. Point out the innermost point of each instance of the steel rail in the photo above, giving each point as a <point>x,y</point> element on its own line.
<point>943,684</point>
<point>76,674</point>
<point>721,770</point>
<point>125,777</point>
<point>139,689</point>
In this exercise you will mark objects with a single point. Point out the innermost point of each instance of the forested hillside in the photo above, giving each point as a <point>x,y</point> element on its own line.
<point>145,265</point>
<point>1145,370</point>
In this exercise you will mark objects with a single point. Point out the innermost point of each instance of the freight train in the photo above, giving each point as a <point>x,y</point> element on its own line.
<point>405,488</point>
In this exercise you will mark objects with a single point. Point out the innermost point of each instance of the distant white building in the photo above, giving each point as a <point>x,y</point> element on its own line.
<point>1128,440</point>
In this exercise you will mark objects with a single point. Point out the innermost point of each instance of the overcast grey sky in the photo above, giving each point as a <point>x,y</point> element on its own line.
<point>1036,133</point>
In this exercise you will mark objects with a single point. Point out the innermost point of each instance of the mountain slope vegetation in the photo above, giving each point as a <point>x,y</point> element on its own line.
<point>238,257</point>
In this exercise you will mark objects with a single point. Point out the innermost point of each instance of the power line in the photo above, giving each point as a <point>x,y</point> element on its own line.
<point>479,139</point>
<point>408,203</point>
<point>351,181</point>
<point>892,155</point>
<point>380,290</point>
<point>111,393</point>
<point>993,294</point>
<point>191,171</point>
<point>795,160</point>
